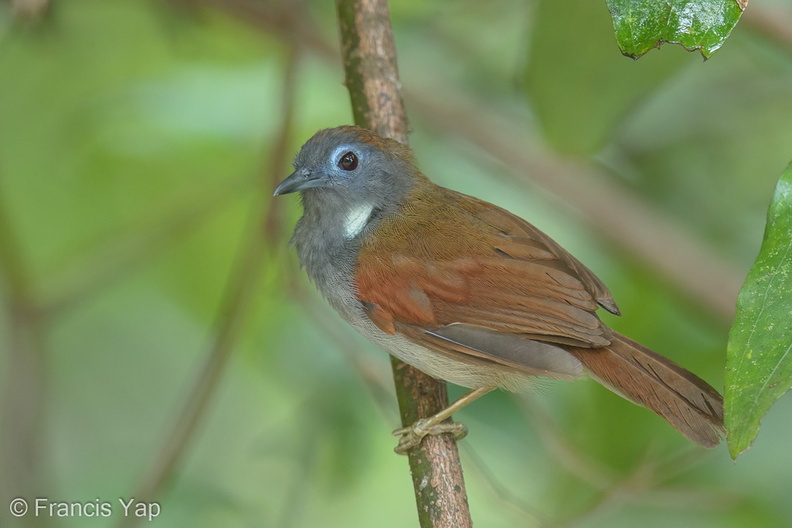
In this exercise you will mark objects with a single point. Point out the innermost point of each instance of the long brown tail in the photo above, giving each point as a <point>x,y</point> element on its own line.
<point>636,373</point>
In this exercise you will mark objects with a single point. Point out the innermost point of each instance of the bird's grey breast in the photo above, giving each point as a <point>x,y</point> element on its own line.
<point>329,259</point>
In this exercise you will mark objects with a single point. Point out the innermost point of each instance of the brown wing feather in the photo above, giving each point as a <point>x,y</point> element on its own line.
<point>527,234</point>
<point>636,373</point>
<point>477,264</point>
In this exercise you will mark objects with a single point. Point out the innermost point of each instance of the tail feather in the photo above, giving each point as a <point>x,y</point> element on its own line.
<point>648,379</point>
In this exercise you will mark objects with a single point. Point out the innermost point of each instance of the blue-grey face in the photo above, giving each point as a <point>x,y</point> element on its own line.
<point>338,161</point>
<point>349,177</point>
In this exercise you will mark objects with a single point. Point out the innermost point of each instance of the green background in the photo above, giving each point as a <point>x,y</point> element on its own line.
<point>138,141</point>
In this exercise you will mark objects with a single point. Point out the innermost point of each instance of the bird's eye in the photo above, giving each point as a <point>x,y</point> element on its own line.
<point>348,161</point>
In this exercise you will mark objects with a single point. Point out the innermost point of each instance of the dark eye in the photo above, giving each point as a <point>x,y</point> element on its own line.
<point>348,161</point>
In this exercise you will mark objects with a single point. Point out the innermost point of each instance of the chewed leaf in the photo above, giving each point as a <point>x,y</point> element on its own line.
<point>759,362</point>
<point>702,25</point>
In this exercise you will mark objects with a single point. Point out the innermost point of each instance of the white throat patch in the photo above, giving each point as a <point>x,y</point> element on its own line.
<point>356,220</point>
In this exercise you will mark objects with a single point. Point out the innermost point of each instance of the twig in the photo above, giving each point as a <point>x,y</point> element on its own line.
<point>369,56</point>
<point>367,369</point>
<point>30,10</point>
<point>22,409</point>
<point>289,19</point>
<point>557,444</point>
<point>532,517</point>
<point>772,24</point>
<point>73,283</point>
<point>235,308</point>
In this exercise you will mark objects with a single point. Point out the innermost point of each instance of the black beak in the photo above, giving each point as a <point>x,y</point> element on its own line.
<point>300,180</point>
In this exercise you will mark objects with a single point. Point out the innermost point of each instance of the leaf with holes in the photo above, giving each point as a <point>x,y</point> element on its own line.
<point>759,355</point>
<point>702,25</point>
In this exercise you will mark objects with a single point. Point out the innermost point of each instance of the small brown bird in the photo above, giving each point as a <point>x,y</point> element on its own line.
<point>464,290</point>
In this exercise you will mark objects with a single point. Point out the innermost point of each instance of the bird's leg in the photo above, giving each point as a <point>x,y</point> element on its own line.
<point>412,435</point>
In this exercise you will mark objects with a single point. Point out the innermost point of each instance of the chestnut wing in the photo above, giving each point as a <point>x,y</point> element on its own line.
<point>480,282</point>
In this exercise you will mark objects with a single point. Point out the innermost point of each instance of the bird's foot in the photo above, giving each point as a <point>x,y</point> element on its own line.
<point>412,435</point>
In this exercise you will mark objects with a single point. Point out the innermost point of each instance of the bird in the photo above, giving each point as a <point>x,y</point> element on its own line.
<point>464,290</point>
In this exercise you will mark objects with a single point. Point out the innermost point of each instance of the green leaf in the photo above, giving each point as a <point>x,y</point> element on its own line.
<point>759,355</point>
<point>702,25</point>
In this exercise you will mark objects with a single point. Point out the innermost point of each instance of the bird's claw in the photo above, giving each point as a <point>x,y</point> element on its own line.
<point>412,435</point>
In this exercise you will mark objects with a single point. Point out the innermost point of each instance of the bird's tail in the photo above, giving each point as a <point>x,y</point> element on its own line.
<point>636,373</point>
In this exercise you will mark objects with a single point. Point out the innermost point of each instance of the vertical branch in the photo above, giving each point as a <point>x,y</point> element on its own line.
<point>372,78</point>
<point>22,407</point>
<point>238,299</point>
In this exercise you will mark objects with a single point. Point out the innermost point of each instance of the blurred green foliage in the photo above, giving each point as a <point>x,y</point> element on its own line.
<point>580,104</point>
<point>132,140</point>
